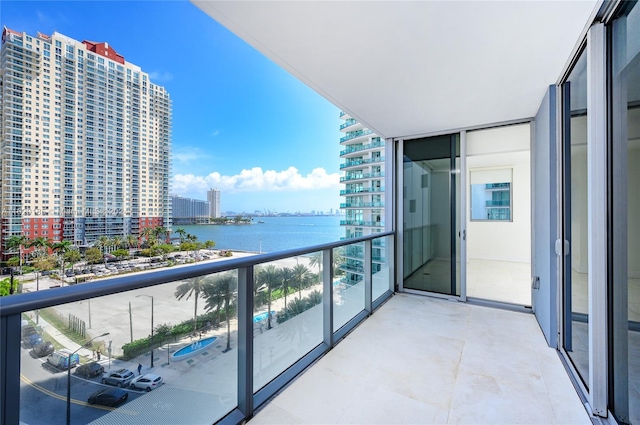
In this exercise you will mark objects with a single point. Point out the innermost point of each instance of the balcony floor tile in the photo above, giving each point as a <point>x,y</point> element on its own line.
<point>420,360</point>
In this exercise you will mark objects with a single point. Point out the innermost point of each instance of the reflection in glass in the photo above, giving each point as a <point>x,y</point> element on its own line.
<point>576,336</point>
<point>625,284</point>
<point>287,321</point>
<point>197,361</point>
<point>348,286</point>
<point>432,214</point>
<point>381,256</point>
<point>491,195</point>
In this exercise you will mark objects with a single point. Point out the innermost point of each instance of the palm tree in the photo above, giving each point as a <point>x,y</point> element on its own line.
<point>315,259</point>
<point>149,235</point>
<point>102,243</point>
<point>118,241</point>
<point>214,298</point>
<point>17,242</point>
<point>160,231</point>
<point>182,233</point>
<point>228,283</point>
<point>301,277</point>
<point>131,241</point>
<point>41,245</point>
<point>61,248</point>
<point>287,277</point>
<point>72,257</point>
<point>192,287</point>
<point>270,278</point>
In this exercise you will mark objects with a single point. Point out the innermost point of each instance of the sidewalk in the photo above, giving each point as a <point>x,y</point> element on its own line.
<point>59,336</point>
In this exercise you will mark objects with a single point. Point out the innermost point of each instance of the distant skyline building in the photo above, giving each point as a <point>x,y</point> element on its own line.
<point>363,167</point>
<point>86,141</point>
<point>189,211</point>
<point>213,196</point>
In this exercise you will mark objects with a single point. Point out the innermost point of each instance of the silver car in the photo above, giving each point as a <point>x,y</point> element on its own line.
<point>120,378</point>
<point>147,382</point>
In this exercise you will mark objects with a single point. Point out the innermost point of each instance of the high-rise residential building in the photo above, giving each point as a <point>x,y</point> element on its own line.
<point>363,167</point>
<point>213,196</point>
<point>189,211</point>
<point>86,141</point>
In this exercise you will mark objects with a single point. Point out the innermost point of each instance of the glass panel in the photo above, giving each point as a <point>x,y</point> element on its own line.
<point>499,224</point>
<point>348,286</point>
<point>625,290</point>
<point>382,257</point>
<point>288,314</point>
<point>576,337</point>
<point>430,196</point>
<point>196,361</point>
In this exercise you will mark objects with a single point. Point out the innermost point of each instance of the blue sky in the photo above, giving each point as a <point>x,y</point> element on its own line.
<point>240,122</point>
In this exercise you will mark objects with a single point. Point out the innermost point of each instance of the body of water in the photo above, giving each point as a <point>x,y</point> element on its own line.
<point>275,234</point>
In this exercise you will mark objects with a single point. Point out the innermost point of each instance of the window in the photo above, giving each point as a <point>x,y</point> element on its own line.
<point>491,195</point>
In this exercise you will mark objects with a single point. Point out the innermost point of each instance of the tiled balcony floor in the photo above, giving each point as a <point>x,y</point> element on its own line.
<point>419,360</point>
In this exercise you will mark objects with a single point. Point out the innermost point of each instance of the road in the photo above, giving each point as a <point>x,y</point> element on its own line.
<point>43,394</point>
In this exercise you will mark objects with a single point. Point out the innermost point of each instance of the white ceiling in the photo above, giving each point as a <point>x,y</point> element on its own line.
<point>406,68</point>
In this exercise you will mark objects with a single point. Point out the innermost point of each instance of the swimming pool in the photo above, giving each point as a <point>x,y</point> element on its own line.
<point>193,348</point>
<point>262,316</point>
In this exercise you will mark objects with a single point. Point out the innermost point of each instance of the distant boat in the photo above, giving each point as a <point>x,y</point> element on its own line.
<point>260,221</point>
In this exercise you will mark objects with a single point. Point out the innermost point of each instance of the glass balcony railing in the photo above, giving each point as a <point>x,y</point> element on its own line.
<point>361,223</point>
<point>362,205</point>
<point>504,203</point>
<point>361,176</point>
<point>352,149</point>
<point>361,162</point>
<point>222,336</point>
<point>353,134</point>
<point>361,190</point>
<point>348,123</point>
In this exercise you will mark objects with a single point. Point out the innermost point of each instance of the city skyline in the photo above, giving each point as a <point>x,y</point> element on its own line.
<point>240,123</point>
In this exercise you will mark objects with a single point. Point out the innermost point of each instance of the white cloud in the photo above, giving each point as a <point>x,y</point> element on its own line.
<point>256,180</point>
<point>186,156</point>
<point>215,132</point>
<point>160,77</point>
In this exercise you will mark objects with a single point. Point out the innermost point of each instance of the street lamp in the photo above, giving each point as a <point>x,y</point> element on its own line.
<point>69,376</point>
<point>150,296</point>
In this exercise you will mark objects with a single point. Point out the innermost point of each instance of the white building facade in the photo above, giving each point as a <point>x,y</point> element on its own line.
<point>213,197</point>
<point>189,211</point>
<point>86,141</point>
<point>363,167</point>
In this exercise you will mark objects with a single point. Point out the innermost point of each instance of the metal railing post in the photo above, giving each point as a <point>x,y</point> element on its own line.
<point>368,281</point>
<point>245,341</point>
<point>10,369</point>
<point>327,294</point>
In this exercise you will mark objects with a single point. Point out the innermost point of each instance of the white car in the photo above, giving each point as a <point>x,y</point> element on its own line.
<point>146,382</point>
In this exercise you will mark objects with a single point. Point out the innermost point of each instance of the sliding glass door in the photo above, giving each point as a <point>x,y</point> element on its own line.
<point>431,215</point>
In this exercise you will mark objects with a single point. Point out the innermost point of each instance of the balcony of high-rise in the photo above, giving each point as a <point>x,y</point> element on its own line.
<point>440,317</point>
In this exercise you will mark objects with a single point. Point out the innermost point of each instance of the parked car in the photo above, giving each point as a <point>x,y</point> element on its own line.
<point>108,397</point>
<point>32,340</point>
<point>43,349</point>
<point>90,369</point>
<point>60,359</point>
<point>120,378</point>
<point>28,330</point>
<point>147,382</point>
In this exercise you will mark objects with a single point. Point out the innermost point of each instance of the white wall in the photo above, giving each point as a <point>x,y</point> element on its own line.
<point>504,147</point>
